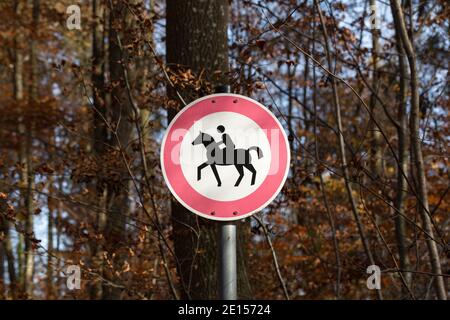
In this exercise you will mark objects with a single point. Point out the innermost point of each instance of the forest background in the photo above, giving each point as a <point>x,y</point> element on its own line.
<point>361,88</point>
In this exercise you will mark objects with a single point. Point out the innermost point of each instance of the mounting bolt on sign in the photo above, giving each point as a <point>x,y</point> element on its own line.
<point>225,157</point>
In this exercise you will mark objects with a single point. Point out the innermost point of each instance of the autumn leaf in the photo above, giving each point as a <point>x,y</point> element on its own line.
<point>261,43</point>
<point>60,8</point>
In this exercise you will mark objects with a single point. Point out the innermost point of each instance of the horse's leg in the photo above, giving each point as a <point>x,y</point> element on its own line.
<point>252,170</point>
<point>199,170</point>
<point>240,169</point>
<point>216,174</point>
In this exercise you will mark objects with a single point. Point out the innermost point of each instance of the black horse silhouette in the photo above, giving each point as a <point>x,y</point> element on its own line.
<point>240,158</point>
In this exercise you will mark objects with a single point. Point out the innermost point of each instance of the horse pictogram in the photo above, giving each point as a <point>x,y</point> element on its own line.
<point>224,153</point>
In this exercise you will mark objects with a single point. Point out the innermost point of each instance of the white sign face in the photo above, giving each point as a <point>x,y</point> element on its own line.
<point>225,156</point>
<point>244,133</point>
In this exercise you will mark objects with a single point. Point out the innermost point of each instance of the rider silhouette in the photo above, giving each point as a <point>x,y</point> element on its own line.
<point>226,140</point>
<point>224,149</point>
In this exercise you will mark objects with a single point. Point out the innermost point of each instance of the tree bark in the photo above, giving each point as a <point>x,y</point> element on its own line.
<point>121,113</point>
<point>2,273</point>
<point>98,78</point>
<point>26,258</point>
<point>100,134</point>
<point>50,261</point>
<point>330,216</point>
<point>7,250</point>
<point>342,152</point>
<point>197,40</point>
<point>33,99</point>
<point>402,166</point>
<point>416,146</point>
<point>375,146</point>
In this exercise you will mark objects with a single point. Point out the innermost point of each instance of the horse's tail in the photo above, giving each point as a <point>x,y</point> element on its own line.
<point>258,151</point>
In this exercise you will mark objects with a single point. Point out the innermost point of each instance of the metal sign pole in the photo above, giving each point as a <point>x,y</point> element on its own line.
<point>227,261</point>
<point>227,249</point>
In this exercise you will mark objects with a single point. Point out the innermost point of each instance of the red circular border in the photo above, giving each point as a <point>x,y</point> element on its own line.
<point>215,209</point>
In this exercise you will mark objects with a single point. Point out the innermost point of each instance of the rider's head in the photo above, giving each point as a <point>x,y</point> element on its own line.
<point>221,129</point>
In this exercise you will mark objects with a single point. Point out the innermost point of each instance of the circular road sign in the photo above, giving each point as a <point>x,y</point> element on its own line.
<point>225,157</point>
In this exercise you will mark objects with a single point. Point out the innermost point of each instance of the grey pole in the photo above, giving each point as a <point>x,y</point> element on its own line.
<point>227,249</point>
<point>227,261</point>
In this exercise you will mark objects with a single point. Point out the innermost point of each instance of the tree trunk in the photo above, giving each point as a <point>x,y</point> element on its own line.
<point>50,261</point>
<point>100,134</point>
<point>342,151</point>
<point>330,216</point>
<point>98,79</point>
<point>33,98</point>
<point>2,273</point>
<point>375,146</point>
<point>121,113</point>
<point>422,193</point>
<point>197,40</point>
<point>26,259</point>
<point>375,149</point>
<point>7,250</point>
<point>402,169</point>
